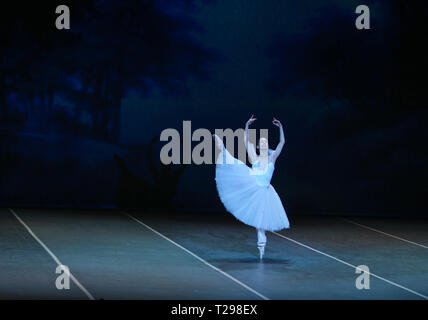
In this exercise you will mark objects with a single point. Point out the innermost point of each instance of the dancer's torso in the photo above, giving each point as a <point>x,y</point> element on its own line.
<point>263,171</point>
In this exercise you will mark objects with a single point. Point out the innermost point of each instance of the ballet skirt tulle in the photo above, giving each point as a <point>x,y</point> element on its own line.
<point>247,193</point>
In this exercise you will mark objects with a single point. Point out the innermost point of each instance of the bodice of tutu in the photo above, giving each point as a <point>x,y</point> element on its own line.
<point>263,175</point>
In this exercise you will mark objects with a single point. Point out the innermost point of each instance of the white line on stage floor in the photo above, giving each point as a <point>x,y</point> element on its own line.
<point>199,258</point>
<point>351,265</point>
<point>73,278</point>
<point>385,233</point>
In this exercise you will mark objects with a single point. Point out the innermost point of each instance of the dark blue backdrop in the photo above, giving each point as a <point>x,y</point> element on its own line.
<point>81,110</point>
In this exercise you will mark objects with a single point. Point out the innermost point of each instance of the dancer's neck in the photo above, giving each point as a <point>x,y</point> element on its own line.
<point>263,154</point>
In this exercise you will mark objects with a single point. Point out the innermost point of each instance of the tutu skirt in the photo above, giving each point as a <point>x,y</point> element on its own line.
<point>251,202</point>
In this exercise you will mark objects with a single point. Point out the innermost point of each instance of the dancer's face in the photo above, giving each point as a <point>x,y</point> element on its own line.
<point>263,144</point>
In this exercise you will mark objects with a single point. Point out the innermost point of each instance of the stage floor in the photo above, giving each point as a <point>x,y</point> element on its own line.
<point>137,255</point>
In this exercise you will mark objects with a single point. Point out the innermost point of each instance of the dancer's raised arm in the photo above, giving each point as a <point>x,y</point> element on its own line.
<point>252,155</point>
<point>281,143</point>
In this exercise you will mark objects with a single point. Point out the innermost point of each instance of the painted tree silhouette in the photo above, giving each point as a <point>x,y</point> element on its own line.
<point>33,68</point>
<point>112,47</point>
<point>165,178</point>
<point>155,190</point>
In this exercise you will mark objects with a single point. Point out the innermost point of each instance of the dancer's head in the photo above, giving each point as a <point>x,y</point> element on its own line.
<point>263,144</point>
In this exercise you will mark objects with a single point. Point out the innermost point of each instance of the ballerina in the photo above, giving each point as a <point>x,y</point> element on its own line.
<point>246,192</point>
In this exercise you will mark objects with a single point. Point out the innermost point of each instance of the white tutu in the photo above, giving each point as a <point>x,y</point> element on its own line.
<point>247,193</point>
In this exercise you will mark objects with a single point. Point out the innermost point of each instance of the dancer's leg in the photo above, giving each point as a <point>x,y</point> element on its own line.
<point>261,241</point>
<point>218,142</point>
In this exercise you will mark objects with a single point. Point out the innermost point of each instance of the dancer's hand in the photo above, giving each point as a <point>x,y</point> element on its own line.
<point>250,121</point>
<point>277,123</point>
